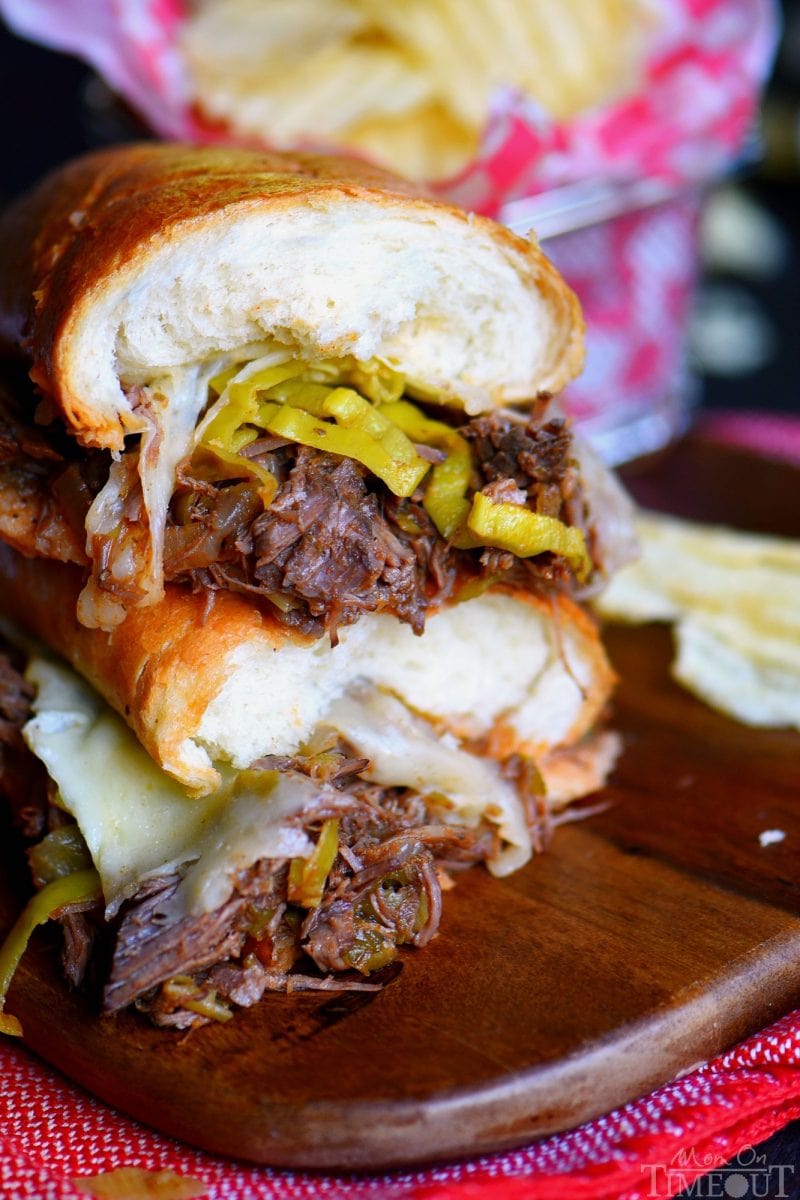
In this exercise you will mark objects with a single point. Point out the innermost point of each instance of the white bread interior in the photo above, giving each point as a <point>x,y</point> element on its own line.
<point>203,685</point>
<point>495,667</point>
<point>474,316</point>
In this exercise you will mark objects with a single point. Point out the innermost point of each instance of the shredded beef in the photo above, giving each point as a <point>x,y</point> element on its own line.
<point>537,458</point>
<point>149,949</point>
<point>323,546</point>
<point>394,898</point>
<point>76,947</point>
<point>382,892</point>
<point>325,540</point>
<point>530,454</point>
<point>79,930</point>
<point>219,529</point>
<point>33,462</point>
<point>335,543</point>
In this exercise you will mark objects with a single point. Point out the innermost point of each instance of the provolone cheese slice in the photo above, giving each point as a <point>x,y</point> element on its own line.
<point>137,822</point>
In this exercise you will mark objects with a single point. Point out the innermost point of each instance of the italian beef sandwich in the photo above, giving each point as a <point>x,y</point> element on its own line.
<point>294,541</point>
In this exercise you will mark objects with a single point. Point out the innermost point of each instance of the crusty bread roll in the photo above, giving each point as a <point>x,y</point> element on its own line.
<point>207,685</point>
<point>138,261</point>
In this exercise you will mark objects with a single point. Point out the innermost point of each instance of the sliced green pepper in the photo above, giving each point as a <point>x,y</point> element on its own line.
<point>62,852</point>
<point>241,402</point>
<point>76,888</point>
<point>371,950</point>
<point>402,478</point>
<point>524,533</point>
<point>183,990</point>
<point>373,946</point>
<point>446,493</point>
<point>307,876</point>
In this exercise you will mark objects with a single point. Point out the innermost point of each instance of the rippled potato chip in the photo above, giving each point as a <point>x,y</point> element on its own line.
<point>758,685</point>
<point>567,54</point>
<point>407,83</point>
<point>734,599</point>
<point>333,87</point>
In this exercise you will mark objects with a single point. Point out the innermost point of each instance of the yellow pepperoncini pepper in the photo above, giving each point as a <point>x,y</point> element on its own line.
<point>446,493</point>
<point>354,412</point>
<point>284,401</point>
<point>524,533</point>
<point>75,888</point>
<point>378,454</point>
<point>229,430</point>
<point>306,403</point>
<point>374,379</point>
<point>221,381</point>
<point>239,403</point>
<point>300,393</point>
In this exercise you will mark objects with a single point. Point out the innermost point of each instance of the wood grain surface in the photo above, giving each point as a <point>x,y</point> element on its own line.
<point>649,938</point>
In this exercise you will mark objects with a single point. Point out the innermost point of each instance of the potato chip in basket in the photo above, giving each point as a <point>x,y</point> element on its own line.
<point>407,83</point>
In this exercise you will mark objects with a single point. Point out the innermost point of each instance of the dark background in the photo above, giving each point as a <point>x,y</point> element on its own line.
<point>53,109</point>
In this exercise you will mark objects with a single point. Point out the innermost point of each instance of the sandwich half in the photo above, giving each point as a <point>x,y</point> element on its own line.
<point>283,485</point>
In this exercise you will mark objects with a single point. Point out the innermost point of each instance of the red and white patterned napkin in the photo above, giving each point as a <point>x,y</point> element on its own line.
<point>685,123</point>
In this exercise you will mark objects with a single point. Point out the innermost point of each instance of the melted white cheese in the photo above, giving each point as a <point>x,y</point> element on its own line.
<point>137,822</point>
<point>405,751</point>
<point>170,409</point>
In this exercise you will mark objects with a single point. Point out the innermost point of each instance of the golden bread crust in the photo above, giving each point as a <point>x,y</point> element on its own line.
<point>164,665</point>
<point>159,670</point>
<point>63,245</point>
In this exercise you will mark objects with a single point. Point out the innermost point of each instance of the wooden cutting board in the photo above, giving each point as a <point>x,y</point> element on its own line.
<point>649,938</point>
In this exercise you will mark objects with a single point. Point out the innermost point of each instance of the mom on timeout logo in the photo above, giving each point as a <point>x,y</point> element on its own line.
<point>712,1177</point>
